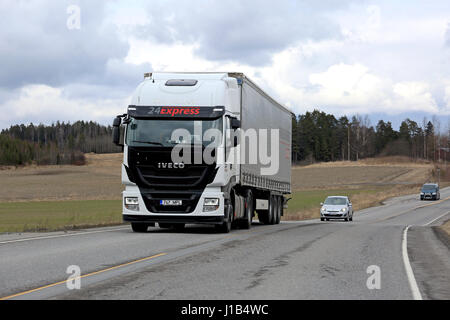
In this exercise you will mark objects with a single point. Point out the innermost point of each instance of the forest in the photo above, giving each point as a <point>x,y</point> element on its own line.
<point>316,136</point>
<point>59,143</point>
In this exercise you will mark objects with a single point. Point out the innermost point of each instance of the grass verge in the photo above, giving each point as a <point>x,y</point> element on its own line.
<point>58,215</point>
<point>446,227</point>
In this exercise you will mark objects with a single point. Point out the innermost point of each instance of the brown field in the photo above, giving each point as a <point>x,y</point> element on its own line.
<point>100,179</point>
<point>362,173</point>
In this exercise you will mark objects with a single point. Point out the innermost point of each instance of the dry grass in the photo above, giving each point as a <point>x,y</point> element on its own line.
<point>446,227</point>
<point>340,174</point>
<point>100,179</point>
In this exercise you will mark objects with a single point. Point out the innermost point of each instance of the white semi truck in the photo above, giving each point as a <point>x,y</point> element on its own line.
<point>203,148</point>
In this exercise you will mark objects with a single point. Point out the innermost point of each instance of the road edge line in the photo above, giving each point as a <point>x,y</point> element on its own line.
<point>428,223</point>
<point>409,272</point>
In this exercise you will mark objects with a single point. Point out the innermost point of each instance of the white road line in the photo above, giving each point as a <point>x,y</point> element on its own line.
<point>60,235</point>
<point>409,272</point>
<point>436,219</point>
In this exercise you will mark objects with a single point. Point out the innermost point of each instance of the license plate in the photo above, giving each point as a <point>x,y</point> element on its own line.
<point>171,202</point>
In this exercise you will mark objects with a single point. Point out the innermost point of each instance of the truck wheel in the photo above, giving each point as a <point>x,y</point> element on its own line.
<point>225,227</point>
<point>279,204</point>
<point>246,223</point>
<point>272,209</point>
<point>139,227</point>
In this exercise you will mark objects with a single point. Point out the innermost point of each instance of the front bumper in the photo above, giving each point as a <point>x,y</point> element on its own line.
<point>334,215</point>
<point>173,219</point>
<point>143,215</point>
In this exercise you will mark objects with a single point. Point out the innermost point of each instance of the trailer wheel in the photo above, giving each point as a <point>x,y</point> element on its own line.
<point>273,203</point>
<point>279,206</point>
<point>139,227</point>
<point>246,223</point>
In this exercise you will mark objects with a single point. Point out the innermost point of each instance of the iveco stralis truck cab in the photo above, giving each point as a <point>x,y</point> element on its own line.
<point>193,187</point>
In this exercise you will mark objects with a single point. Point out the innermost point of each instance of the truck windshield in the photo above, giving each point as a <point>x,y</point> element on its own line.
<point>151,132</point>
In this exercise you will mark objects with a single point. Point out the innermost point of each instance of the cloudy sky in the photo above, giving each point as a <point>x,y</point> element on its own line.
<point>388,59</point>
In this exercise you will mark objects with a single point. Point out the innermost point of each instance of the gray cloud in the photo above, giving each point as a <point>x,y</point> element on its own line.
<point>242,31</point>
<point>37,46</point>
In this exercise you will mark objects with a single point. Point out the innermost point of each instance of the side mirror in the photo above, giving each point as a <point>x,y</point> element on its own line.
<point>116,131</point>
<point>235,123</point>
<point>321,203</point>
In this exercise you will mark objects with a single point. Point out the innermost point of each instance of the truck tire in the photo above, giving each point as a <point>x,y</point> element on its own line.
<point>225,227</point>
<point>246,222</point>
<point>273,203</point>
<point>139,227</point>
<point>279,204</point>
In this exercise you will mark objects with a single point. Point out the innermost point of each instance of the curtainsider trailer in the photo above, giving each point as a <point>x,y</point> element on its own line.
<point>203,148</point>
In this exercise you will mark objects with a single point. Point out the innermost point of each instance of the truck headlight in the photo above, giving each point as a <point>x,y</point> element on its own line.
<point>132,203</point>
<point>210,204</point>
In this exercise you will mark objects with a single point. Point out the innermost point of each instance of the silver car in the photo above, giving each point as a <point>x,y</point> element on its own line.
<point>336,207</point>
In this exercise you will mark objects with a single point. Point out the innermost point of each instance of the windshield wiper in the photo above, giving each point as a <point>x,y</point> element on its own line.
<point>149,142</point>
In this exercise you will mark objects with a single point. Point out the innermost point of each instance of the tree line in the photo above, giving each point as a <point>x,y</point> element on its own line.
<point>59,143</point>
<point>318,136</point>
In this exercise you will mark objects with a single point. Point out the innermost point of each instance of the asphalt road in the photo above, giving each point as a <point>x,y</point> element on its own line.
<point>292,260</point>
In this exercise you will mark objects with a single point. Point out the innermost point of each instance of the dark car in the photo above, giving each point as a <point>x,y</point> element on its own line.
<point>430,191</point>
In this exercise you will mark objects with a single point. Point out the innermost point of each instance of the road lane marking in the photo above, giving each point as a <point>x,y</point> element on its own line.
<point>83,276</point>
<point>409,272</point>
<point>61,235</point>
<point>436,218</point>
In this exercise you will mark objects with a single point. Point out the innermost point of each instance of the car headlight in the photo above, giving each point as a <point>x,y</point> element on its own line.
<point>323,210</point>
<point>132,203</point>
<point>434,193</point>
<point>421,193</point>
<point>210,204</point>
<point>343,209</point>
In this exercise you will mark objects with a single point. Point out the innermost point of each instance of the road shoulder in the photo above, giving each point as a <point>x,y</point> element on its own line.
<point>429,253</point>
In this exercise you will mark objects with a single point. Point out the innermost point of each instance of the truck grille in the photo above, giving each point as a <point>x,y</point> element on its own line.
<point>190,176</point>
<point>145,172</point>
